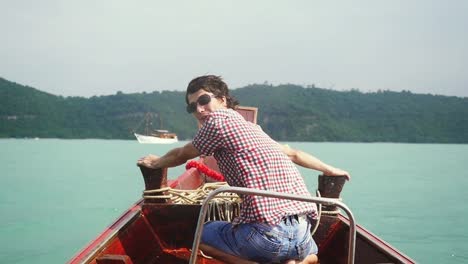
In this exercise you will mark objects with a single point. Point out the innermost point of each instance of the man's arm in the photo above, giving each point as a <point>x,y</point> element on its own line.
<point>308,161</point>
<point>174,157</point>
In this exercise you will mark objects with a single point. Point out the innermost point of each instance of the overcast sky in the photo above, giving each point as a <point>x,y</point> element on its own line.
<point>99,47</point>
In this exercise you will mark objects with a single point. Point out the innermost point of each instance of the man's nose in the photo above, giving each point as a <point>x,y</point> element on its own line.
<point>200,108</point>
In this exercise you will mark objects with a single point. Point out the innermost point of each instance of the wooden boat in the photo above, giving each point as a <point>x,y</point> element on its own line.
<point>158,230</point>
<point>158,136</point>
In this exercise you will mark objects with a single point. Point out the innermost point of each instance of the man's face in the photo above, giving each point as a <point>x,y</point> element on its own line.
<point>203,103</point>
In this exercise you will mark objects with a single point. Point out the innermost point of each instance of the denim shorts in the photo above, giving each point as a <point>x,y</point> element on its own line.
<point>260,242</point>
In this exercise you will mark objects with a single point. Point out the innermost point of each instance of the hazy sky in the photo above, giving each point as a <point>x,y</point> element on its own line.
<point>99,47</point>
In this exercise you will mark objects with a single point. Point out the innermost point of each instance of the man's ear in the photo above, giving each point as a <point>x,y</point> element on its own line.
<point>224,101</point>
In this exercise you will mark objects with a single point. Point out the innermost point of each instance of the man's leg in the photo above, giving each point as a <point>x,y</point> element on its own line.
<point>223,256</point>
<point>311,259</point>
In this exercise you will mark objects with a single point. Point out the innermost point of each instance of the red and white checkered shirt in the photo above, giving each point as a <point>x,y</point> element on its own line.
<point>247,157</point>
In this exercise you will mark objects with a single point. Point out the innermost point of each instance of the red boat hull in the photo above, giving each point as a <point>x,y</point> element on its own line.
<point>163,233</point>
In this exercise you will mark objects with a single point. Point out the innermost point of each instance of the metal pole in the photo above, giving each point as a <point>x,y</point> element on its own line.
<point>248,191</point>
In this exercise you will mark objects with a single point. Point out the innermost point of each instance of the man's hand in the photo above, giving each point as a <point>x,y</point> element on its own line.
<point>150,161</point>
<point>332,171</point>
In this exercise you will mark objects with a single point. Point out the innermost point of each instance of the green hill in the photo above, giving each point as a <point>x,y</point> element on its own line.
<point>286,112</point>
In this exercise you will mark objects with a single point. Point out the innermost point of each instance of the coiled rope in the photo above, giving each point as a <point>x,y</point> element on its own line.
<point>223,207</point>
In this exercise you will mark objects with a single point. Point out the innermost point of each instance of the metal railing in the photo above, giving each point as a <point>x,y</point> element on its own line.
<point>248,191</point>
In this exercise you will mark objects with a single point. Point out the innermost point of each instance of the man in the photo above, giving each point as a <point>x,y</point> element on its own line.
<point>268,230</point>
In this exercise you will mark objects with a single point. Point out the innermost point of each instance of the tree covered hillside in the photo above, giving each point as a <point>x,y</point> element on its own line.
<point>286,112</point>
<point>291,112</point>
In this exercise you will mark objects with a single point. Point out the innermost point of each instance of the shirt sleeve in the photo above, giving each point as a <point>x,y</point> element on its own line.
<point>208,139</point>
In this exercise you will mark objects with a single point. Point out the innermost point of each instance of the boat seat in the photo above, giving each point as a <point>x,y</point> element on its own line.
<point>248,112</point>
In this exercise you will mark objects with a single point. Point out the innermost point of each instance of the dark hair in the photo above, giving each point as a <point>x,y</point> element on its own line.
<point>213,84</point>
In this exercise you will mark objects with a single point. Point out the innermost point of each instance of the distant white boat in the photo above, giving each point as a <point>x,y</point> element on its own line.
<point>159,137</point>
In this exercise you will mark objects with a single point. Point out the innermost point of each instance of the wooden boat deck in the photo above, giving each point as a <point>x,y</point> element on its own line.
<point>163,233</point>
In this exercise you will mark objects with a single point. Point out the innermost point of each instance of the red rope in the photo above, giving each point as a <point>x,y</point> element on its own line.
<point>205,170</point>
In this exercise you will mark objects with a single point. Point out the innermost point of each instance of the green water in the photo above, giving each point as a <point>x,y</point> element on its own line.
<point>57,195</point>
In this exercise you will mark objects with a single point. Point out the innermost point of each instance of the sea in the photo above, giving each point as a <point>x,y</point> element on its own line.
<point>57,195</point>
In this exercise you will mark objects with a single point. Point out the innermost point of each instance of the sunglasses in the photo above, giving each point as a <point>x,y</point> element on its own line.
<point>202,100</point>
